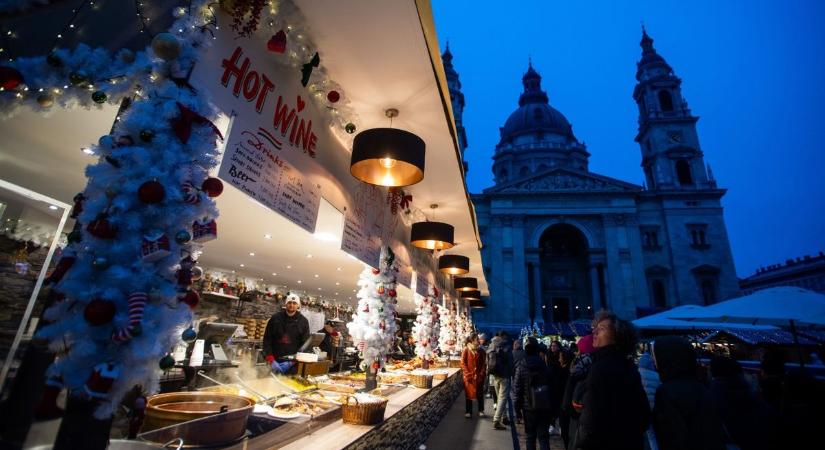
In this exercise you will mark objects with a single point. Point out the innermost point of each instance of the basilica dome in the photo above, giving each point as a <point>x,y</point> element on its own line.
<point>534,114</point>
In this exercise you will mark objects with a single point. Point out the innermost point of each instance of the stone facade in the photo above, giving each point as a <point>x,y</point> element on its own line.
<point>561,242</point>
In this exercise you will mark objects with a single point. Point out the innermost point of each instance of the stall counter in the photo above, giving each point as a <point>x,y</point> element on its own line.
<point>410,417</point>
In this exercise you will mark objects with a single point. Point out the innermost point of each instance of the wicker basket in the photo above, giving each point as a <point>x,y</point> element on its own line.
<point>440,376</point>
<point>455,363</point>
<point>421,380</point>
<point>363,413</point>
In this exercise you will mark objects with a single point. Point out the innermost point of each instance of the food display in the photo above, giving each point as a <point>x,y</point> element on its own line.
<point>234,389</point>
<point>340,385</point>
<point>291,383</point>
<point>393,378</point>
<point>254,328</point>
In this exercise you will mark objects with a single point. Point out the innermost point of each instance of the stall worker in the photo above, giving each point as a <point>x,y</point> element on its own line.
<point>331,338</point>
<point>285,333</point>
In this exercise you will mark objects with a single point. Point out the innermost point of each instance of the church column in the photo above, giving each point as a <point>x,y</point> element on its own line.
<point>533,274</point>
<point>520,308</point>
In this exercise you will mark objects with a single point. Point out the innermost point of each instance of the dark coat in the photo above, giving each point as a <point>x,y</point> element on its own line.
<point>684,414</point>
<point>616,413</point>
<point>504,357</point>
<point>750,422</point>
<point>518,355</point>
<point>531,366</point>
<point>284,335</point>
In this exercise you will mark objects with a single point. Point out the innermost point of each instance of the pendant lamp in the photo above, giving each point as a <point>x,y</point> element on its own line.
<point>471,295</point>
<point>465,284</point>
<point>476,304</point>
<point>454,264</point>
<point>388,156</point>
<point>432,235</point>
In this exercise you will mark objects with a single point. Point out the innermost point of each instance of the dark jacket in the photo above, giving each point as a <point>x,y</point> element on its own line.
<point>503,356</point>
<point>284,335</point>
<point>326,344</point>
<point>750,422</point>
<point>530,371</point>
<point>518,355</point>
<point>616,413</point>
<point>684,414</point>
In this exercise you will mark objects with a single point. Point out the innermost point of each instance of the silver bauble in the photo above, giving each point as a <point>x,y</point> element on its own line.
<point>166,46</point>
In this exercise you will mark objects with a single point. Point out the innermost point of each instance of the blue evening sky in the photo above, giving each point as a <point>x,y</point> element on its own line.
<point>752,70</point>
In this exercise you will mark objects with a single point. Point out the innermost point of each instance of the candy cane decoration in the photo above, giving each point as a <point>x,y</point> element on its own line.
<point>137,301</point>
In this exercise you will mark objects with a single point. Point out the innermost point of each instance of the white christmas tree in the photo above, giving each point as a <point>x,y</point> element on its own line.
<point>448,338</point>
<point>464,329</point>
<point>373,324</point>
<point>127,271</point>
<point>425,330</point>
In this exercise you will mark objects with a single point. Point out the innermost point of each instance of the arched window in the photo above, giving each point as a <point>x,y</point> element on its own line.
<point>659,293</point>
<point>502,175</point>
<point>665,100</point>
<point>523,171</point>
<point>683,172</point>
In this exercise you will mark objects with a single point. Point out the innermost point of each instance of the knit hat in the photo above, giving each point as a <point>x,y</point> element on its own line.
<point>293,298</point>
<point>585,344</point>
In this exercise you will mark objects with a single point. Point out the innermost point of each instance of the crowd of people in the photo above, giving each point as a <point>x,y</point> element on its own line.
<point>604,393</point>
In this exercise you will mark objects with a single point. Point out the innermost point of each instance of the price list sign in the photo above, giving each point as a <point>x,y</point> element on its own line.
<point>251,164</point>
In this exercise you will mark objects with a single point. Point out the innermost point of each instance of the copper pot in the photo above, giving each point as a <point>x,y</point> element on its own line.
<point>228,424</point>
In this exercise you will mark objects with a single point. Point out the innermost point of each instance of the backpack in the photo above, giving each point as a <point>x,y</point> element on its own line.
<point>539,392</point>
<point>497,362</point>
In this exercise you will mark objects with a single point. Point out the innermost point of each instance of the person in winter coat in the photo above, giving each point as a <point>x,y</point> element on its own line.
<point>684,414</point>
<point>615,412</point>
<point>285,332</point>
<point>578,373</point>
<point>531,377</point>
<point>650,382</point>
<point>500,367</point>
<point>750,422</point>
<point>565,361</point>
<point>474,369</point>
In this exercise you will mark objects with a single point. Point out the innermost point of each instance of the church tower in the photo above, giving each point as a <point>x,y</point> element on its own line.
<point>457,100</point>
<point>671,156</point>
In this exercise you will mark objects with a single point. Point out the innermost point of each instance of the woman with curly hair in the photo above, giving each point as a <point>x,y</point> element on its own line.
<point>615,412</point>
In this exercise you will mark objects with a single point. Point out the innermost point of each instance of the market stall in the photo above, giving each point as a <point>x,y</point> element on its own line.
<point>227,181</point>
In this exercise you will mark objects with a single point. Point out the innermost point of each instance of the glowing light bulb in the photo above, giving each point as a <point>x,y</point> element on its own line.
<point>387,163</point>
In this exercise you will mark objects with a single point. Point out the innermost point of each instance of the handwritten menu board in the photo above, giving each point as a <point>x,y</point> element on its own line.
<point>402,262</point>
<point>250,163</point>
<point>422,283</point>
<point>362,231</point>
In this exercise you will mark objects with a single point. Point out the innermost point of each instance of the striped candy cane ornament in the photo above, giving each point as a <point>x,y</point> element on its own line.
<point>137,302</point>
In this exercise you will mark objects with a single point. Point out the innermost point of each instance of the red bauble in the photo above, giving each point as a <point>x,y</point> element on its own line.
<point>333,96</point>
<point>101,228</point>
<point>392,293</point>
<point>375,271</point>
<point>99,312</point>
<point>10,78</point>
<point>212,186</point>
<point>191,298</point>
<point>151,192</point>
<point>376,365</point>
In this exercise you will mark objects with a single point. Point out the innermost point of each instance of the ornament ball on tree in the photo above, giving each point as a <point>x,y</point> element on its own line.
<point>166,46</point>
<point>212,186</point>
<point>99,97</point>
<point>191,298</point>
<point>333,96</point>
<point>10,78</point>
<point>99,312</point>
<point>151,192</point>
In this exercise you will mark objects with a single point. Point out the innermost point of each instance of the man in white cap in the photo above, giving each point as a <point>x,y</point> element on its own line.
<point>285,333</point>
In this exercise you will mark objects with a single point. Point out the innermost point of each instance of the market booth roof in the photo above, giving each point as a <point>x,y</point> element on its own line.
<point>665,321</point>
<point>773,306</point>
<point>393,63</point>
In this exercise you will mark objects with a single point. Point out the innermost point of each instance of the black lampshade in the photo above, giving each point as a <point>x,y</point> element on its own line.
<point>432,235</point>
<point>387,157</point>
<point>470,295</point>
<point>465,284</point>
<point>454,264</point>
<point>476,303</point>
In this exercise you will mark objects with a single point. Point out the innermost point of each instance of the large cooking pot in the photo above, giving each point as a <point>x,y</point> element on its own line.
<point>216,418</point>
<point>122,444</point>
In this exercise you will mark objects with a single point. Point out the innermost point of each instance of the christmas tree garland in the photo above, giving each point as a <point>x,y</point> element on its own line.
<point>425,330</point>
<point>447,333</point>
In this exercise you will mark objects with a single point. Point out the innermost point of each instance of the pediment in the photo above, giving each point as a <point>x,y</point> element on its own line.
<point>565,180</point>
